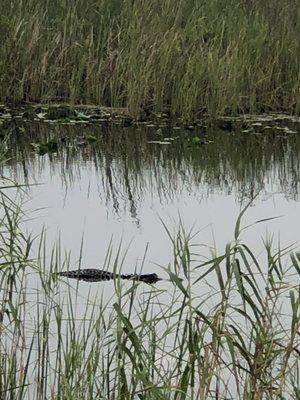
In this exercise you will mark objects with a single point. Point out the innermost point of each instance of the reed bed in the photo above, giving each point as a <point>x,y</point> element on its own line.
<point>184,57</point>
<point>222,327</point>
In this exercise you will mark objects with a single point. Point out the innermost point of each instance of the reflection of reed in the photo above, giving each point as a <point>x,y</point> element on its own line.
<point>128,167</point>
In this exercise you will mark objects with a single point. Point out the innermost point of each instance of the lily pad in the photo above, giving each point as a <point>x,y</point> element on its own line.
<point>81,116</point>
<point>41,115</point>
<point>196,140</point>
<point>158,142</point>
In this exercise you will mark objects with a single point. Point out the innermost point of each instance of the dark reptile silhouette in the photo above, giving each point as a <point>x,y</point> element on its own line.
<point>98,275</point>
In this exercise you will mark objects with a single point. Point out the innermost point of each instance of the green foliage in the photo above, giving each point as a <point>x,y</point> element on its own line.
<point>185,56</point>
<point>158,343</point>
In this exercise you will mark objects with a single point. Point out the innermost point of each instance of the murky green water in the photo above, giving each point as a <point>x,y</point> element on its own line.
<point>105,181</point>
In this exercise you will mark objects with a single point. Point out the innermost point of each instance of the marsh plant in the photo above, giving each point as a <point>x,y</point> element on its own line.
<point>185,57</point>
<point>222,327</point>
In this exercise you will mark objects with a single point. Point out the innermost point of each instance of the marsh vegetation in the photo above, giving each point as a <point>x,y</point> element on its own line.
<point>239,339</point>
<point>127,146</point>
<point>185,57</point>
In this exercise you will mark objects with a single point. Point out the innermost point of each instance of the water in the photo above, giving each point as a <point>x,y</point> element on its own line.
<point>120,187</point>
<point>116,187</point>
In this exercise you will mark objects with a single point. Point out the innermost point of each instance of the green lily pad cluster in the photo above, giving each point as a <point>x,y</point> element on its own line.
<point>73,115</point>
<point>62,114</point>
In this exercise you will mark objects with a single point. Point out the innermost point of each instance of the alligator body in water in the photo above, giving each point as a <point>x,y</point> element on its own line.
<point>97,275</point>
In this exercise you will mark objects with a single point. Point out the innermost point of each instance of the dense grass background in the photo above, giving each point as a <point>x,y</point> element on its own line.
<point>186,56</point>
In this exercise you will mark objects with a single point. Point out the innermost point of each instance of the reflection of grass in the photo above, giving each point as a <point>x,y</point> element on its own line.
<point>129,166</point>
<point>228,329</point>
<point>187,55</point>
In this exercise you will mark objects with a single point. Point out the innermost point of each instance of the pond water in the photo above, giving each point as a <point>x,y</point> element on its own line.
<point>106,182</point>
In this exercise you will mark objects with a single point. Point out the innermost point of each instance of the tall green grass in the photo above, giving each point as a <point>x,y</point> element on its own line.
<point>222,327</point>
<point>185,56</point>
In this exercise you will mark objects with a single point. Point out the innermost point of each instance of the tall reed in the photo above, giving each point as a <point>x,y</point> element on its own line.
<point>222,327</point>
<point>185,56</point>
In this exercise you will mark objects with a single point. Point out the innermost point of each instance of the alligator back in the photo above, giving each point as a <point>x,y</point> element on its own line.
<point>88,275</point>
<point>98,275</point>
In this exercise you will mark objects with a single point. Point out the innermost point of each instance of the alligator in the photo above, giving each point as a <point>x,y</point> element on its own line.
<point>98,275</point>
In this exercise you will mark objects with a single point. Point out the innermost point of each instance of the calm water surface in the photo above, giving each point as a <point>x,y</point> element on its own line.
<point>117,186</point>
<point>108,184</point>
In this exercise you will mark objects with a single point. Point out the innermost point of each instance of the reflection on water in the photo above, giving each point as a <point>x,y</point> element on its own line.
<point>101,179</point>
<point>129,167</point>
<point>117,181</point>
<point>111,181</point>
